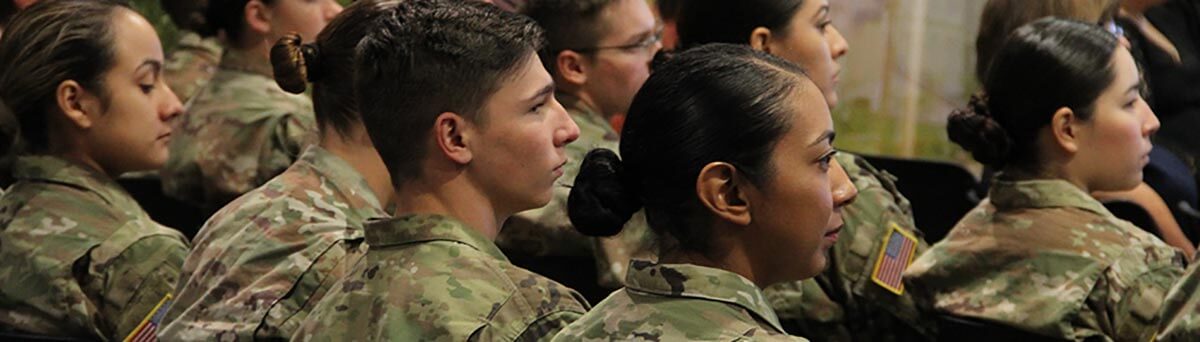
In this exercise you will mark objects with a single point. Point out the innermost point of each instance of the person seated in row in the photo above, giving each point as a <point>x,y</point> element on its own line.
<point>78,256</point>
<point>242,129</point>
<point>599,53</point>
<point>194,60</point>
<point>1061,117</point>
<point>729,152</point>
<point>262,262</point>
<point>463,113</point>
<point>856,298</point>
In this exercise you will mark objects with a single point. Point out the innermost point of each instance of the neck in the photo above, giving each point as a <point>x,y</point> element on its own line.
<point>449,194</point>
<point>586,100</point>
<point>732,258</point>
<point>357,150</point>
<point>75,152</point>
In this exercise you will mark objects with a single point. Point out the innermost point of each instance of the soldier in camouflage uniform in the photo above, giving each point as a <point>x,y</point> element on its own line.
<point>242,129</point>
<point>261,263</point>
<point>712,195</point>
<point>602,86</point>
<point>843,303</point>
<point>194,61</point>
<point>433,272</point>
<point>78,256</point>
<point>1040,254</point>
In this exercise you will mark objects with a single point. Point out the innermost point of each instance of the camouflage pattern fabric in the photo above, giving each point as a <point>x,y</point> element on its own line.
<point>241,131</point>
<point>843,303</point>
<point>1181,310</point>
<point>78,256</point>
<point>547,231</point>
<point>1044,257</point>
<point>432,278</point>
<point>193,63</point>
<point>263,261</point>
<point>680,302</point>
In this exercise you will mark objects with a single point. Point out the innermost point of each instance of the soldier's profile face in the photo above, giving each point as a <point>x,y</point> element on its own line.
<point>519,149</point>
<point>811,41</point>
<point>1114,145</point>
<point>132,132</point>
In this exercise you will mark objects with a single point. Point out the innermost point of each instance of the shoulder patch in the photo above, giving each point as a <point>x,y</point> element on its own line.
<point>147,330</point>
<point>895,255</point>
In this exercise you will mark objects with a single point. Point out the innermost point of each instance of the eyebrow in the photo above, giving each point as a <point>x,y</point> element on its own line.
<point>824,10</point>
<point>156,66</point>
<point>548,89</point>
<point>828,136</point>
<point>1136,87</point>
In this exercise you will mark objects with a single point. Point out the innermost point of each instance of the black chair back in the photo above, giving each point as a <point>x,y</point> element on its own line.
<point>957,329</point>
<point>941,193</point>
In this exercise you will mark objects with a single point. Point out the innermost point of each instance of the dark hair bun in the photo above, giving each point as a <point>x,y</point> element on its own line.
<point>295,63</point>
<point>600,203</point>
<point>977,131</point>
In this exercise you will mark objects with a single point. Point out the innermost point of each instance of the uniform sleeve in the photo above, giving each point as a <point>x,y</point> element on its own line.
<point>1181,310</point>
<point>290,135</point>
<point>544,329</point>
<point>1135,314</point>
<point>139,278</point>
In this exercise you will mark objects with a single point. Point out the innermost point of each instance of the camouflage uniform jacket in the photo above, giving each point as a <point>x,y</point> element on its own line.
<point>1181,310</point>
<point>263,261</point>
<point>193,63</point>
<point>241,131</point>
<point>1044,257</point>
<point>78,256</point>
<point>843,303</point>
<point>547,231</point>
<point>431,278</point>
<point>680,302</point>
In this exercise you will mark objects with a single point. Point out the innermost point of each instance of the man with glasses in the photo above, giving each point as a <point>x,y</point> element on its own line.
<point>599,54</point>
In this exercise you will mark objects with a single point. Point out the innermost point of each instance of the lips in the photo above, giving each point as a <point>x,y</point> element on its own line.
<point>558,170</point>
<point>164,136</point>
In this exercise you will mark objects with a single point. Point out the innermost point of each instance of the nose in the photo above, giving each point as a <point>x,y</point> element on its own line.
<point>171,107</point>
<point>837,44</point>
<point>1152,124</point>
<point>566,131</point>
<point>332,9</point>
<point>841,186</point>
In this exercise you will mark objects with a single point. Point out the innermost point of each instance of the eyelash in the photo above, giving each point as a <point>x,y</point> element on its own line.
<point>824,25</point>
<point>147,88</point>
<point>827,159</point>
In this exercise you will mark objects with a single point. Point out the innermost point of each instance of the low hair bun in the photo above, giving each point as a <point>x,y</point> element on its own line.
<point>294,63</point>
<point>974,128</point>
<point>600,204</point>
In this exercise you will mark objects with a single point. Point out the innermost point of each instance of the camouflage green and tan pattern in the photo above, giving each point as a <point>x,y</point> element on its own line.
<point>1181,310</point>
<point>241,131</point>
<point>1044,257</point>
<point>193,63</point>
<point>680,302</point>
<point>432,278</point>
<point>843,303</point>
<point>262,262</point>
<point>547,231</point>
<point>78,256</point>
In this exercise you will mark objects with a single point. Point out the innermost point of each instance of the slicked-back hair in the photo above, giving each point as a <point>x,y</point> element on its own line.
<point>569,25</point>
<point>429,57</point>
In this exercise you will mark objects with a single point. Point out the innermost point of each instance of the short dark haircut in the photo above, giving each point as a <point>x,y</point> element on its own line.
<point>328,63</point>
<point>714,103</point>
<point>1045,65</point>
<point>722,21</point>
<point>569,25</point>
<point>47,44</point>
<point>427,57</point>
<point>227,16</point>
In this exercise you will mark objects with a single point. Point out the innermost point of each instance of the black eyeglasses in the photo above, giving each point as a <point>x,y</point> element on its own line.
<point>644,45</point>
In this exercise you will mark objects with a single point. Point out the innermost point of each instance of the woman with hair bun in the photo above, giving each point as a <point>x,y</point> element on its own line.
<point>242,129</point>
<point>1062,118</point>
<point>729,152</point>
<point>262,262</point>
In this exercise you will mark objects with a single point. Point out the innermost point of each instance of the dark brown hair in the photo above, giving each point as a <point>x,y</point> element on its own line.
<point>228,16</point>
<point>328,63</point>
<point>47,44</point>
<point>1001,17</point>
<point>569,25</point>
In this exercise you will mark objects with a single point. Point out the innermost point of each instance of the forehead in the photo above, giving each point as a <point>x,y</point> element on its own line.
<point>809,113</point>
<point>525,80</point>
<point>623,17</point>
<point>134,39</point>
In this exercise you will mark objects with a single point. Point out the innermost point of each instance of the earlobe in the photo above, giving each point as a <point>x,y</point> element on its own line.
<point>760,39</point>
<point>723,192</point>
<point>73,102</point>
<point>571,67</point>
<point>1064,125</point>
<point>453,140</point>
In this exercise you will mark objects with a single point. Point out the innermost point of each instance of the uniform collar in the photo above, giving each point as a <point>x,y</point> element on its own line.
<point>348,182</point>
<point>51,169</point>
<point>1044,193</point>
<point>246,61</point>
<point>411,229</point>
<point>692,281</point>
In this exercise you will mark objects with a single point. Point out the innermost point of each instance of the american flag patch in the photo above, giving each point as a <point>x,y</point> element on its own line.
<point>894,257</point>
<point>148,329</point>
